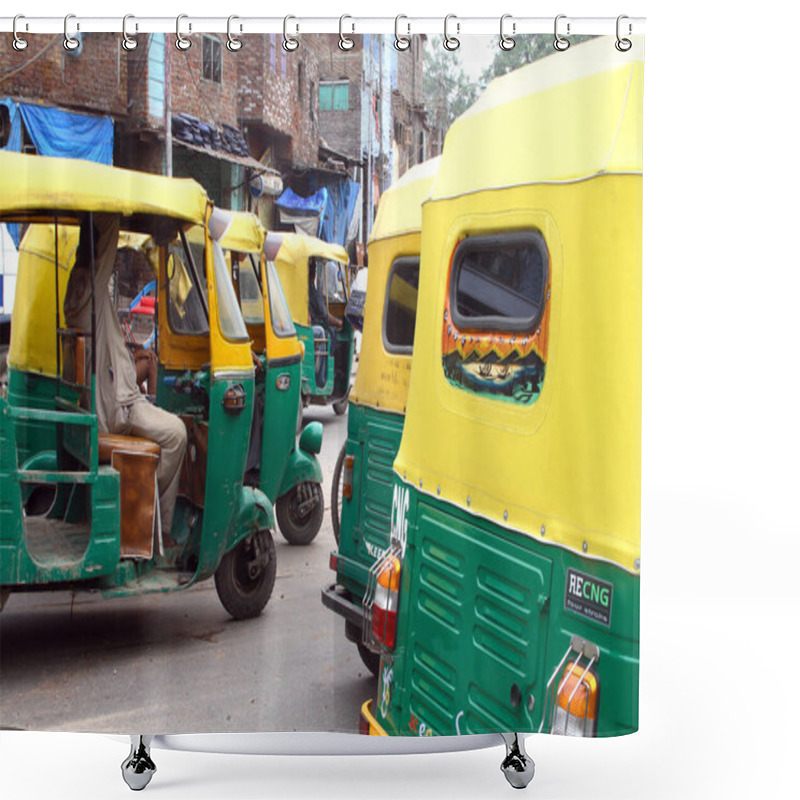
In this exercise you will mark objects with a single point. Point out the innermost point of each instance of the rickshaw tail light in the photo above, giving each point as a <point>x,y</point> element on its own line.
<point>576,702</point>
<point>347,479</point>
<point>334,562</point>
<point>384,607</point>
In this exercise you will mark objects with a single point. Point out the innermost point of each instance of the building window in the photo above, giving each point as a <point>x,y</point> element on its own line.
<point>334,95</point>
<point>212,59</point>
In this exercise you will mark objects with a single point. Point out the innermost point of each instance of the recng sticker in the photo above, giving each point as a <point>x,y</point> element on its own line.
<point>590,597</point>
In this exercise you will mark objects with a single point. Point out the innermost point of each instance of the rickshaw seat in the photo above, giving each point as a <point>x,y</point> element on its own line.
<point>136,460</point>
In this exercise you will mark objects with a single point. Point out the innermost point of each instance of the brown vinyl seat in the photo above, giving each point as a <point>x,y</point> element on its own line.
<point>136,460</point>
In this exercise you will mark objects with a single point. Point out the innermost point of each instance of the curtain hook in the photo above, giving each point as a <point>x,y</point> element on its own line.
<point>401,43</point>
<point>345,43</point>
<point>181,42</point>
<point>560,42</point>
<point>233,44</point>
<point>290,43</point>
<point>128,42</point>
<point>451,42</point>
<point>70,42</point>
<point>506,42</point>
<point>623,45</point>
<point>19,43</point>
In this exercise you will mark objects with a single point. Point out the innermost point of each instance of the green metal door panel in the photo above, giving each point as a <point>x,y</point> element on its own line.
<point>280,419</point>
<point>228,440</point>
<point>28,390</point>
<point>476,627</point>
<point>373,438</point>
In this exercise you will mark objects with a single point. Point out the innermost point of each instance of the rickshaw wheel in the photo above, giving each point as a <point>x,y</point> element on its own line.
<point>300,513</point>
<point>246,575</point>
<point>340,406</point>
<point>336,493</point>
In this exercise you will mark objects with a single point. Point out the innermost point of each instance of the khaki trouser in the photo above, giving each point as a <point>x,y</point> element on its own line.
<point>169,432</point>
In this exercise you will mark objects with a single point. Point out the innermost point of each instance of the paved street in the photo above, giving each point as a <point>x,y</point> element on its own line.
<point>178,663</point>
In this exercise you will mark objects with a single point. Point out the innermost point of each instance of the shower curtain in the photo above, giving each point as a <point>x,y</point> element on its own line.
<point>442,484</point>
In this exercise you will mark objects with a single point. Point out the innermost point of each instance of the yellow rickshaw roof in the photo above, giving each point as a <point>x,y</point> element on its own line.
<point>33,184</point>
<point>400,207</point>
<point>298,248</point>
<point>246,233</point>
<point>591,82</point>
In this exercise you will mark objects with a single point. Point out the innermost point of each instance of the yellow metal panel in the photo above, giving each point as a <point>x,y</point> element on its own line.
<point>39,183</point>
<point>565,469</point>
<point>573,115</point>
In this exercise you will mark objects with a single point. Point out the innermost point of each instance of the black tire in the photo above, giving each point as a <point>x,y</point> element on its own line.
<point>298,528</point>
<point>372,661</point>
<point>336,493</point>
<point>340,406</point>
<point>246,575</point>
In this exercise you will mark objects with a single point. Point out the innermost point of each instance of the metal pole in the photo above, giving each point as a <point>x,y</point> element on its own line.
<point>58,311</point>
<point>168,106</point>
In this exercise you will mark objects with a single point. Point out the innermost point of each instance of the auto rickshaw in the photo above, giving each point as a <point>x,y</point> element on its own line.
<point>509,598</point>
<point>362,479</point>
<point>313,274</point>
<point>81,507</point>
<point>286,470</point>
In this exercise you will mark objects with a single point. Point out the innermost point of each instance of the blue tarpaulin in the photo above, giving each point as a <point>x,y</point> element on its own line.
<point>55,132</point>
<point>313,205</point>
<point>341,203</point>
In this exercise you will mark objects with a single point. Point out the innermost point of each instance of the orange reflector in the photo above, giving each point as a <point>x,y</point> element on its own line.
<point>334,561</point>
<point>576,702</point>
<point>347,478</point>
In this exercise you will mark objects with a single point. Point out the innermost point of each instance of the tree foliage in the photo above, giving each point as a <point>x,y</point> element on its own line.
<point>526,49</point>
<point>447,89</point>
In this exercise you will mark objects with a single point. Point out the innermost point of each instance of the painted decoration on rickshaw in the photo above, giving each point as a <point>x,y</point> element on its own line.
<point>496,316</point>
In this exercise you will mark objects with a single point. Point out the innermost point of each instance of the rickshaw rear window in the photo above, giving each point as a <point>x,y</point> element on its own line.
<point>400,307</point>
<point>499,281</point>
<point>230,317</point>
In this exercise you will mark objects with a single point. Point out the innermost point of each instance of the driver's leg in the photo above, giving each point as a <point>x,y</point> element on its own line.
<point>168,431</point>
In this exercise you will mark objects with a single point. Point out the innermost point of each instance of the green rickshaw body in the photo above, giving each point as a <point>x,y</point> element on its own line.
<point>72,531</point>
<point>287,471</point>
<point>509,599</point>
<point>377,404</point>
<point>326,367</point>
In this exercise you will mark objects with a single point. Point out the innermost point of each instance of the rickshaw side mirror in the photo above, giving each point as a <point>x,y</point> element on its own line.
<point>171,266</point>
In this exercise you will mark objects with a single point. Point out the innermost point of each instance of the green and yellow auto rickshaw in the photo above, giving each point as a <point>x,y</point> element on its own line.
<point>361,495</point>
<point>81,507</point>
<point>509,598</point>
<point>285,469</point>
<point>314,277</point>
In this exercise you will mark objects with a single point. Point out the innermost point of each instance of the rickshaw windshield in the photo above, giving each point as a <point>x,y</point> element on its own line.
<point>230,316</point>
<point>278,308</point>
<point>186,310</point>
<point>250,293</point>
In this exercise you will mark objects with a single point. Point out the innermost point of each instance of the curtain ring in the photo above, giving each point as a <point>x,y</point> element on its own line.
<point>506,42</point>
<point>560,42</point>
<point>19,43</point>
<point>128,42</point>
<point>233,44</point>
<point>290,43</point>
<point>70,42</point>
<point>623,45</point>
<point>401,43</point>
<point>181,42</point>
<point>345,43</point>
<point>451,42</point>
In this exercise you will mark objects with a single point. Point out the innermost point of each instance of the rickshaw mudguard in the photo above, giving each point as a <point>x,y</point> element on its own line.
<point>255,513</point>
<point>303,467</point>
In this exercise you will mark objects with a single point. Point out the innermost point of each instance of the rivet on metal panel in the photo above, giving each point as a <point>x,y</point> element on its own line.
<point>543,529</point>
<point>585,546</point>
<point>505,515</point>
<point>469,500</point>
<point>637,564</point>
